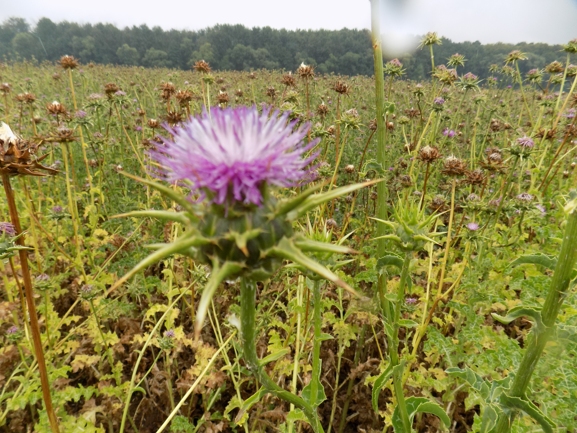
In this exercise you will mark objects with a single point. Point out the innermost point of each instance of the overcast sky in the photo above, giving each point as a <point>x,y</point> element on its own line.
<point>488,21</point>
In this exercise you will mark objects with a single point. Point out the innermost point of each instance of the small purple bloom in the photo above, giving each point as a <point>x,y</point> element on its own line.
<point>233,152</point>
<point>57,209</point>
<point>541,209</point>
<point>12,330</point>
<point>120,93</point>
<point>411,301</point>
<point>525,197</point>
<point>42,277</point>
<point>570,113</point>
<point>473,226</point>
<point>80,114</point>
<point>7,229</point>
<point>169,334</point>
<point>525,142</point>
<point>138,128</point>
<point>449,133</point>
<point>438,101</point>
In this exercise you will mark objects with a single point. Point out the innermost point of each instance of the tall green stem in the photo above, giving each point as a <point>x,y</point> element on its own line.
<point>538,338</point>
<point>248,341</point>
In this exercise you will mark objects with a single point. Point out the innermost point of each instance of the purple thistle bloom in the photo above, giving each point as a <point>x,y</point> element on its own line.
<point>80,114</point>
<point>233,152</point>
<point>541,209</point>
<point>438,101</point>
<point>169,334</point>
<point>570,113</point>
<point>120,93</point>
<point>7,229</point>
<point>525,142</point>
<point>449,133</point>
<point>57,209</point>
<point>524,196</point>
<point>473,226</point>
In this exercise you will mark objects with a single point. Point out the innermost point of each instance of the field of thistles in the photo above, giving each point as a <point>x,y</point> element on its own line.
<point>285,251</point>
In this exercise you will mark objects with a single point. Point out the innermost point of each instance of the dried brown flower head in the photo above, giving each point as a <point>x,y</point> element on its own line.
<point>412,113</point>
<point>5,88</point>
<point>167,90</point>
<point>438,204</point>
<point>110,89</point>
<point>222,98</point>
<point>350,168</point>
<point>271,92</point>
<point>153,123</point>
<point>454,166</point>
<point>475,177</point>
<point>202,67</point>
<point>68,62</point>
<point>173,117</point>
<point>322,110</point>
<point>341,88</point>
<point>183,97</point>
<point>26,97</point>
<point>373,125</point>
<point>56,108</point>
<point>239,93</point>
<point>16,155</point>
<point>306,71</point>
<point>429,154</point>
<point>554,67</point>
<point>288,80</point>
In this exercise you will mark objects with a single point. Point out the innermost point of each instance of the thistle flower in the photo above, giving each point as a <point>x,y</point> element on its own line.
<point>233,153</point>
<point>525,142</point>
<point>473,226</point>
<point>7,229</point>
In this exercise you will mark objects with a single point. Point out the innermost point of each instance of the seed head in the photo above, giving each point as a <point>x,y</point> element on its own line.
<point>68,62</point>
<point>341,87</point>
<point>110,89</point>
<point>322,110</point>
<point>5,88</point>
<point>202,67</point>
<point>56,108</point>
<point>288,80</point>
<point>429,154</point>
<point>306,71</point>
<point>222,98</point>
<point>167,90</point>
<point>183,97</point>
<point>554,67</point>
<point>454,166</point>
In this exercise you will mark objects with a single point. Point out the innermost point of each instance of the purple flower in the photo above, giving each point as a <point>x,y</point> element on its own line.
<point>438,100</point>
<point>524,196</point>
<point>449,133</point>
<point>525,142</point>
<point>233,152</point>
<point>57,209</point>
<point>12,330</point>
<point>42,277</point>
<point>80,114</point>
<point>570,113</point>
<point>7,229</point>
<point>169,334</point>
<point>541,209</point>
<point>473,226</point>
<point>411,301</point>
<point>120,93</point>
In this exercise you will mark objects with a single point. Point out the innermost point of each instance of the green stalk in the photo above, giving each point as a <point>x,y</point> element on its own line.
<point>382,204</point>
<point>538,338</point>
<point>248,341</point>
<point>316,361</point>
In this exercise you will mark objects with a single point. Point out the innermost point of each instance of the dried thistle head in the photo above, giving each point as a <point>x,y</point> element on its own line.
<point>554,67</point>
<point>183,97</point>
<point>110,89</point>
<point>153,123</point>
<point>56,108</point>
<point>239,93</point>
<point>68,62</point>
<point>26,98</point>
<point>222,98</point>
<point>306,71</point>
<point>475,177</point>
<point>288,80</point>
<point>429,154</point>
<point>5,88</point>
<point>173,117</point>
<point>454,166</point>
<point>167,90</point>
<point>271,92</point>
<point>202,67</point>
<point>341,87</point>
<point>16,155</point>
<point>322,110</point>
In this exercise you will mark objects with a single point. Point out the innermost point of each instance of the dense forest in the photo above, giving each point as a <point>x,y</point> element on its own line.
<point>235,47</point>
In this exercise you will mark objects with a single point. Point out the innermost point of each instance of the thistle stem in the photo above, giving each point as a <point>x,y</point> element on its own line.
<point>34,326</point>
<point>248,341</point>
<point>538,338</point>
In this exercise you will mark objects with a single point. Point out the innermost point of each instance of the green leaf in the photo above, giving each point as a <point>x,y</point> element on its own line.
<point>407,323</point>
<point>286,249</point>
<point>489,417</point>
<point>418,405</point>
<point>530,409</point>
<point>242,414</point>
<point>379,384</point>
<point>373,165</point>
<point>164,215</point>
<point>536,259</point>
<point>390,260</point>
<point>288,205</point>
<point>321,396</point>
<point>476,382</point>
<point>274,356</point>
<point>296,415</point>
<point>218,275</point>
<point>315,200</point>
<point>521,311</point>
<point>309,245</point>
<point>164,190</point>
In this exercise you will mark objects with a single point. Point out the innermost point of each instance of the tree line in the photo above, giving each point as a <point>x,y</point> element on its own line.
<point>236,47</point>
